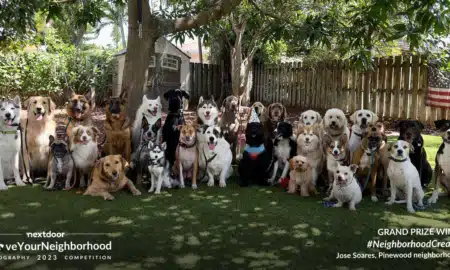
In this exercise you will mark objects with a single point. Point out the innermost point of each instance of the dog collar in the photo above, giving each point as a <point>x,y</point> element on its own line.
<point>184,145</point>
<point>10,131</point>
<point>358,134</point>
<point>398,160</point>
<point>446,141</point>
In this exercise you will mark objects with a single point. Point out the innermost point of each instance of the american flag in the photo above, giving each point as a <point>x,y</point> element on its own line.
<point>438,94</point>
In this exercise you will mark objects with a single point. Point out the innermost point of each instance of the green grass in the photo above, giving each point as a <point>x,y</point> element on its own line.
<point>214,228</point>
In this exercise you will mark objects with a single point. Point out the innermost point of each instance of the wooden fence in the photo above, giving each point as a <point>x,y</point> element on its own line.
<point>209,80</point>
<point>395,89</point>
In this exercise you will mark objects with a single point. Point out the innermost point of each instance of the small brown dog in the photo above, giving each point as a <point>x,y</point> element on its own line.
<point>117,128</point>
<point>186,163</point>
<point>229,123</point>
<point>79,111</point>
<point>109,176</point>
<point>301,176</point>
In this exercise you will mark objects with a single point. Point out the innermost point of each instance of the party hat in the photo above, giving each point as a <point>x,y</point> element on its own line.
<point>253,116</point>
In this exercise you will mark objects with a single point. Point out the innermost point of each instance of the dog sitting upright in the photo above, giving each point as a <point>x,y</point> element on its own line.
<point>309,145</point>
<point>158,167</point>
<point>150,109</point>
<point>117,128</point>
<point>300,176</point>
<point>10,141</point>
<point>229,123</point>
<point>61,163</point>
<point>175,118</point>
<point>361,120</point>
<point>255,165</point>
<point>410,132</point>
<point>83,145</point>
<point>345,187</point>
<point>285,148</point>
<point>186,164</point>
<point>335,123</point>
<point>442,169</point>
<point>336,152</point>
<point>403,176</point>
<point>79,111</point>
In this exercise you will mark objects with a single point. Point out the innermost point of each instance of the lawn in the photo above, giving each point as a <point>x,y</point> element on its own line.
<point>214,228</point>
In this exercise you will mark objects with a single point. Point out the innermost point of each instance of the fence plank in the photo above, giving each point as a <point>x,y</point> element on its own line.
<point>397,80</point>
<point>381,87</point>
<point>422,113</point>
<point>415,87</point>
<point>388,92</point>
<point>373,87</point>
<point>406,69</point>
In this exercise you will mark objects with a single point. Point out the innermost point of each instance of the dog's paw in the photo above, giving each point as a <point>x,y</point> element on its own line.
<point>432,199</point>
<point>3,187</point>
<point>327,199</point>
<point>374,198</point>
<point>222,184</point>
<point>352,208</point>
<point>182,186</point>
<point>194,186</point>
<point>137,192</point>
<point>20,183</point>
<point>158,192</point>
<point>67,186</point>
<point>411,210</point>
<point>210,183</point>
<point>389,203</point>
<point>108,197</point>
<point>337,205</point>
<point>151,190</point>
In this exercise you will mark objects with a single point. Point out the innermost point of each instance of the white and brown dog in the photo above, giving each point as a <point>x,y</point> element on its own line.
<point>403,175</point>
<point>335,123</point>
<point>83,145</point>
<point>442,169</point>
<point>336,152</point>
<point>361,120</point>
<point>345,187</point>
<point>300,177</point>
<point>309,145</point>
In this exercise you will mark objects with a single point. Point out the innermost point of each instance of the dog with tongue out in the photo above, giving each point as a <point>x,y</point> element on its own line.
<point>255,165</point>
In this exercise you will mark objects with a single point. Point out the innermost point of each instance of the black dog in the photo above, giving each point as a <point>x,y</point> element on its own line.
<point>410,132</point>
<point>175,118</point>
<point>255,165</point>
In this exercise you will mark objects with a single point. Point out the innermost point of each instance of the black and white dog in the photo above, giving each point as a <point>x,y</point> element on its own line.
<point>175,118</point>
<point>285,148</point>
<point>410,131</point>
<point>207,113</point>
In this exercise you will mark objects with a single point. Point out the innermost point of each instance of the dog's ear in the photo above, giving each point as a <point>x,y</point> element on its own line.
<point>300,118</point>
<point>51,105</point>
<point>353,116</point>
<point>163,146</point>
<point>124,94</point>
<point>26,103</point>
<point>166,94</point>
<point>411,148</point>
<point>399,124</point>
<point>200,100</point>
<point>343,139</point>
<point>300,128</point>
<point>438,123</point>
<point>291,164</point>
<point>374,117</point>
<point>125,164</point>
<point>419,124</point>
<point>150,145</point>
<point>319,117</point>
<point>390,145</point>
<point>90,96</point>
<point>16,100</point>
<point>212,98</point>
<point>144,121</point>
<point>51,140</point>
<point>144,98</point>
<point>283,113</point>
<point>185,94</point>
<point>354,168</point>
<point>158,123</point>
<point>178,127</point>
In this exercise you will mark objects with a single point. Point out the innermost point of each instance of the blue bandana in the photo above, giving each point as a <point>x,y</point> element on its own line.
<point>254,151</point>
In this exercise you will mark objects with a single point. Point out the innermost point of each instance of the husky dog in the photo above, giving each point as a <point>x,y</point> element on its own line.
<point>158,167</point>
<point>10,141</point>
<point>207,112</point>
<point>151,110</point>
<point>61,163</point>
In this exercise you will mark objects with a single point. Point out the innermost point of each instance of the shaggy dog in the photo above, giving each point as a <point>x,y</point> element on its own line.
<point>215,156</point>
<point>345,187</point>
<point>186,164</point>
<point>442,169</point>
<point>38,127</point>
<point>300,176</point>
<point>310,117</point>
<point>117,128</point>
<point>335,123</point>
<point>108,176</point>
<point>285,148</point>
<point>309,145</point>
<point>336,152</point>
<point>260,111</point>
<point>403,175</point>
<point>150,109</point>
<point>229,123</point>
<point>255,165</point>
<point>361,120</point>
<point>79,111</point>
<point>83,145</point>
<point>61,163</point>
<point>158,167</point>
<point>10,141</point>
<point>175,118</point>
<point>410,132</point>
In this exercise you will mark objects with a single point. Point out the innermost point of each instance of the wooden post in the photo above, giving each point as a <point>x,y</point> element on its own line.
<point>366,94</point>
<point>388,92</point>
<point>373,87</point>
<point>381,90</point>
<point>406,69</point>
<point>397,79</point>
<point>415,87</point>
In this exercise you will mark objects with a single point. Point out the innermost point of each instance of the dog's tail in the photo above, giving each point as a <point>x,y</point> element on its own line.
<point>74,175</point>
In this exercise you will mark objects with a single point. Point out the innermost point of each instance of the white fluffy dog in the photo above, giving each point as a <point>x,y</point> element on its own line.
<point>215,156</point>
<point>83,145</point>
<point>310,117</point>
<point>10,141</point>
<point>335,123</point>
<point>308,145</point>
<point>361,120</point>
<point>150,109</point>
<point>345,187</point>
<point>403,175</point>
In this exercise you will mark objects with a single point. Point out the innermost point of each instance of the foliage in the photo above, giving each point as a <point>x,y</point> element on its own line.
<point>57,72</point>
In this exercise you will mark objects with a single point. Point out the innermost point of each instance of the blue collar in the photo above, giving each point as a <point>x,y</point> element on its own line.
<point>253,149</point>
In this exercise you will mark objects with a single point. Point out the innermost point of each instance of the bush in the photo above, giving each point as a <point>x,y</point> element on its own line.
<point>56,74</point>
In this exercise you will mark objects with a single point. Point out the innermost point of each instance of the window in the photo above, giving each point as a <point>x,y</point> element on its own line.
<point>152,62</point>
<point>170,62</point>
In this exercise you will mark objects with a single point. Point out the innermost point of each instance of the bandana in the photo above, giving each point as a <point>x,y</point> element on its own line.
<point>253,151</point>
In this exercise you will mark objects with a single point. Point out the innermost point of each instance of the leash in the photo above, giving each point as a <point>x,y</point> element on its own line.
<point>372,159</point>
<point>207,161</point>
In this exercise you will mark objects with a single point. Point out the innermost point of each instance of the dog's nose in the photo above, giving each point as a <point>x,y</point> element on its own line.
<point>333,122</point>
<point>374,129</point>
<point>114,173</point>
<point>400,151</point>
<point>340,179</point>
<point>211,139</point>
<point>8,115</point>
<point>308,123</point>
<point>207,112</point>
<point>364,120</point>
<point>307,139</point>
<point>335,152</point>
<point>84,138</point>
<point>39,109</point>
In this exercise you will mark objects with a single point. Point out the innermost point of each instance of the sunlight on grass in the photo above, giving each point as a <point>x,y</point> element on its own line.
<point>187,261</point>
<point>204,234</point>
<point>91,211</point>
<point>238,260</point>
<point>143,217</point>
<point>119,221</point>
<point>34,204</point>
<point>315,231</point>
<point>59,222</point>
<point>193,241</point>
<point>115,234</point>
<point>7,215</point>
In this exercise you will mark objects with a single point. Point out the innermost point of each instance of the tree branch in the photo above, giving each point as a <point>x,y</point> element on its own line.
<point>220,9</point>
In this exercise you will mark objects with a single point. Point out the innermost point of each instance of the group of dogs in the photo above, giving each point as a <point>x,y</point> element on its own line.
<point>313,152</point>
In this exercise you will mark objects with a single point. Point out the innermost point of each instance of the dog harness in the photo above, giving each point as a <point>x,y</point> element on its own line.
<point>398,160</point>
<point>254,151</point>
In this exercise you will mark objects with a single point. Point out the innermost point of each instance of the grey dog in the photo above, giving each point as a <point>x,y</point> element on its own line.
<point>61,163</point>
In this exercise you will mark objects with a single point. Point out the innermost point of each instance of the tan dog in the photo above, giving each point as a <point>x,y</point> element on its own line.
<point>38,126</point>
<point>117,128</point>
<point>186,164</point>
<point>370,156</point>
<point>301,176</point>
<point>79,111</point>
<point>260,110</point>
<point>108,176</point>
<point>276,112</point>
